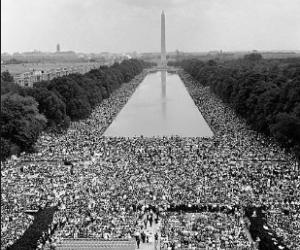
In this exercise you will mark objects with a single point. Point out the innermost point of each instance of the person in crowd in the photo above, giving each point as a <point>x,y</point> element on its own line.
<point>138,241</point>
<point>143,236</point>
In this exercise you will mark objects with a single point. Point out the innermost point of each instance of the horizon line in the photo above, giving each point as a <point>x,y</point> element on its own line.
<point>206,51</point>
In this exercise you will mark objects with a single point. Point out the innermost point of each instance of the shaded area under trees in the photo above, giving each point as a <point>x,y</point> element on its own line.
<point>266,93</point>
<point>51,105</point>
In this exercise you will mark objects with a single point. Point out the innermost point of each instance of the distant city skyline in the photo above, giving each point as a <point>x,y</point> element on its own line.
<point>151,52</point>
<point>121,26</point>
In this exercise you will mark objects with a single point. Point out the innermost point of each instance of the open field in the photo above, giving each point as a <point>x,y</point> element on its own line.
<point>21,68</point>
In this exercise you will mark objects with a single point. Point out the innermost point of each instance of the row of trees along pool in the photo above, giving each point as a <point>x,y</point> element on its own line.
<point>51,105</point>
<point>264,92</point>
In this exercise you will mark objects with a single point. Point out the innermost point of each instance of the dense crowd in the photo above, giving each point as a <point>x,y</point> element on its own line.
<point>104,185</point>
<point>286,225</point>
<point>216,230</point>
<point>33,181</point>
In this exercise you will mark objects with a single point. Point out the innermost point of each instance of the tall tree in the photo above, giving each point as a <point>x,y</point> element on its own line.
<point>6,76</point>
<point>21,122</point>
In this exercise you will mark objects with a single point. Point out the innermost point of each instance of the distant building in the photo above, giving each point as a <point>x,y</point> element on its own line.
<point>58,56</point>
<point>213,52</point>
<point>150,56</point>
<point>106,55</point>
<point>279,55</point>
<point>64,56</point>
<point>35,56</point>
<point>225,56</point>
<point>28,78</point>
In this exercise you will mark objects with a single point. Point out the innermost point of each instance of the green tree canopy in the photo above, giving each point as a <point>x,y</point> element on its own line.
<point>6,76</point>
<point>21,123</point>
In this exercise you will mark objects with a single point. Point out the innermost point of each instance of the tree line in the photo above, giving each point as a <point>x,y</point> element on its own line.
<point>52,105</point>
<point>264,92</point>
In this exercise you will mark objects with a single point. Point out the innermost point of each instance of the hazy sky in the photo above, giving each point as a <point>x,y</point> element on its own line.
<point>134,25</point>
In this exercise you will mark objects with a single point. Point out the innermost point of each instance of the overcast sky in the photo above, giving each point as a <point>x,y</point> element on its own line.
<point>119,26</point>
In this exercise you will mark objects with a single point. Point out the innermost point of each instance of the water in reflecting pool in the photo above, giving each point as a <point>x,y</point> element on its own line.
<point>160,106</point>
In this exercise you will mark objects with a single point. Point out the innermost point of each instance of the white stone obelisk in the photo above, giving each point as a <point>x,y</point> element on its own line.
<point>163,41</point>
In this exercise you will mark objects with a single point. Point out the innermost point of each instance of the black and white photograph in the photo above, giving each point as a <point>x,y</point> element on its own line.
<point>150,124</point>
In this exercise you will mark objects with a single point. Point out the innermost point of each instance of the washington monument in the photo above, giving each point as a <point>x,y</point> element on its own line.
<point>163,60</point>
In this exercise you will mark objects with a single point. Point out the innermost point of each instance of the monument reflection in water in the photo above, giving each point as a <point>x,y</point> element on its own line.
<point>164,92</point>
<point>160,106</point>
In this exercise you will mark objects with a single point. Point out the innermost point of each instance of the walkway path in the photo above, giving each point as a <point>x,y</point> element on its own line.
<point>247,233</point>
<point>151,245</point>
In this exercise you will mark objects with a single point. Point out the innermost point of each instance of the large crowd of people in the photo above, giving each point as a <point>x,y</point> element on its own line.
<point>286,225</point>
<point>103,186</point>
<point>217,230</point>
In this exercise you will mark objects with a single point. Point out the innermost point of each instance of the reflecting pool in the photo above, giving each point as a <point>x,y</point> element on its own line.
<point>160,106</point>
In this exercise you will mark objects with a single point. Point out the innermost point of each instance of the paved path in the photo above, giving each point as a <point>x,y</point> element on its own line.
<point>152,230</point>
<point>247,233</point>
